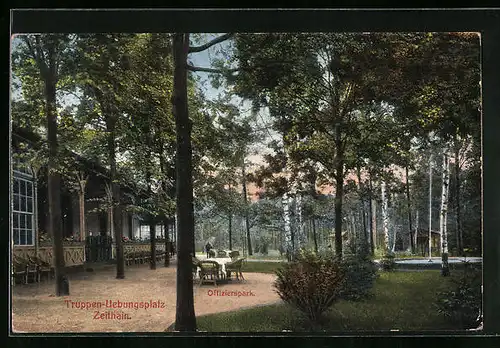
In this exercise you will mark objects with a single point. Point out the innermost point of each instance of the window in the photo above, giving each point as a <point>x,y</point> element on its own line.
<point>20,166</point>
<point>23,206</point>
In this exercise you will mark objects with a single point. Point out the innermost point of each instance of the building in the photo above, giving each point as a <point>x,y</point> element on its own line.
<point>30,211</point>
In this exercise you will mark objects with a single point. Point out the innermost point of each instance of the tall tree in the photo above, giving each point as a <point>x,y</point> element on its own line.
<point>185,319</point>
<point>245,200</point>
<point>385,217</point>
<point>103,72</point>
<point>445,269</point>
<point>50,55</point>
<point>185,316</point>
<point>430,207</point>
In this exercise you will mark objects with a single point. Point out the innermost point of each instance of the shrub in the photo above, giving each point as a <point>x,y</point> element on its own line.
<point>462,304</point>
<point>311,283</point>
<point>387,263</point>
<point>360,273</point>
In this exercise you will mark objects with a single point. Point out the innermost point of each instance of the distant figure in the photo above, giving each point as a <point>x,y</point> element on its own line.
<point>208,248</point>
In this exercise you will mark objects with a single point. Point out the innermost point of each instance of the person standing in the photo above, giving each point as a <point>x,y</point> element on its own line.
<point>208,247</point>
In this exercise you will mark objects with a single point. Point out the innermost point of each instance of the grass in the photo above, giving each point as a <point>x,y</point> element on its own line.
<point>261,267</point>
<point>266,257</point>
<point>402,300</point>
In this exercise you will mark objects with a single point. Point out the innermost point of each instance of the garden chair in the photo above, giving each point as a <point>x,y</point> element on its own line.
<point>137,258</point>
<point>146,256</point>
<point>159,255</point>
<point>30,268</point>
<point>209,271</point>
<point>195,265</point>
<point>221,253</point>
<point>235,266</point>
<point>131,257</point>
<point>128,258</point>
<point>43,267</point>
<point>19,269</point>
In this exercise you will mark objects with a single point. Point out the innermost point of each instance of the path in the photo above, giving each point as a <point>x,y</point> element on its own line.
<point>436,260</point>
<point>35,309</point>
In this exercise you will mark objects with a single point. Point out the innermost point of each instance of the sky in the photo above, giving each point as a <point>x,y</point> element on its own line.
<point>203,59</point>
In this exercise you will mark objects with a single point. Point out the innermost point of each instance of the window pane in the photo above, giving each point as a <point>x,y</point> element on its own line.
<point>22,222</point>
<point>29,189</point>
<point>22,188</point>
<point>23,204</point>
<point>29,203</point>
<point>16,202</point>
<point>22,239</point>
<point>15,218</point>
<point>16,236</point>
<point>16,186</point>
<point>29,222</point>
<point>29,237</point>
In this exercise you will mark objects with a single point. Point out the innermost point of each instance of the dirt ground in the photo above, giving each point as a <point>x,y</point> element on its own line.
<point>35,309</point>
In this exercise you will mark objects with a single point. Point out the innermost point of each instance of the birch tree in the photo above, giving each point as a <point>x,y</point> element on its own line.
<point>430,207</point>
<point>289,243</point>
<point>385,217</point>
<point>445,268</point>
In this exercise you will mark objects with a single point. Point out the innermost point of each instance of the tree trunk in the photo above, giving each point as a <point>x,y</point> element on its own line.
<point>339,191</point>
<point>164,175</point>
<point>445,268</point>
<point>116,210</point>
<point>81,197</point>
<point>247,225</point>
<point>365,234</point>
<point>300,228</point>
<point>373,217</point>
<point>152,237</point>
<point>35,210</point>
<point>288,231</point>
<point>394,222</point>
<point>354,230</point>
<point>174,232</point>
<point>152,214</point>
<point>109,197</point>
<point>415,234</point>
<point>458,206</point>
<point>185,319</point>
<point>315,237</point>
<point>166,223</point>
<point>430,207</point>
<point>385,217</point>
<point>230,228</point>
<point>54,183</point>
<point>408,200</point>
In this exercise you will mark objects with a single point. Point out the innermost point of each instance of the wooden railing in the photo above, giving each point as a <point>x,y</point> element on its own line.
<point>74,254</point>
<point>134,247</point>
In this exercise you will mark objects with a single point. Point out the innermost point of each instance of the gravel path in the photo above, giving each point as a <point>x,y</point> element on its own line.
<point>35,309</point>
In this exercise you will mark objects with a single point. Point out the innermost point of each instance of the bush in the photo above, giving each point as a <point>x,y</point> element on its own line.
<point>462,304</point>
<point>387,263</point>
<point>360,273</point>
<point>311,283</point>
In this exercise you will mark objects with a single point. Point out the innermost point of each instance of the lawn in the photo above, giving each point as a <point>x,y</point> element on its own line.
<point>261,267</point>
<point>402,300</point>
